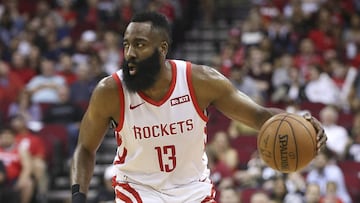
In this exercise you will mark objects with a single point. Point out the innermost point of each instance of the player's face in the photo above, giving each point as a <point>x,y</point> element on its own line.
<point>146,72</point>
<point>141,64</point>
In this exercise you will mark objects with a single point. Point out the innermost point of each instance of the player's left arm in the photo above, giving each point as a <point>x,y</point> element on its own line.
<point>93,127</point>
<point>213,88</point>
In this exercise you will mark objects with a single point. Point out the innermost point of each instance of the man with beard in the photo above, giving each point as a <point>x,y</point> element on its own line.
<point>158,107</point>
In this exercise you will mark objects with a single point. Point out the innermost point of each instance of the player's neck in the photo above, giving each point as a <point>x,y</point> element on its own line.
<point>162,85</point>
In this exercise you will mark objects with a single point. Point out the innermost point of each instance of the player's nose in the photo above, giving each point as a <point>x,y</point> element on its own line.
<point>130,52</point>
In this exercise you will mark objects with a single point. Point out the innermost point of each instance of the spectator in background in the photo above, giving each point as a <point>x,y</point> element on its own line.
<point>321,88</point>
<point>34,58</point>
<point>252,29</point>
<point>338,137</point>
<point>291,91</point>
<point>337,71</point>
<point>324,171</point>
<point>323,35</point>
<point>23,43</point>
<point>11,22</point>
<point>223,157</point>
<point>65,113</point>
<point>279,32</point>
<point>298,18</point>
<point>282,65</point>
<point>343,76</point>
<point>250,176</point>
<point>31,112</point>
<point>18,166</point>
<point>96,68</point>
<point>279,193</point>
<point>84,47</point>
<point>10,87</point>
<point>351,36</point>
<point>35,146</point>
<point>66,69</point>
<point>259,70</point>
<point>110,53</point>
<point>44,88</point>
<point>164,7</point>
<point>230,195</point>
<point>354,94</point>
<point>226,59</point>
<point>124,12</point>
<point>312,193</point>
<point>66,12</point>
<point>88,13</point>
<point>308,7</point>
<point>331,194</point>
<point>81,89</point>
<point>245,83</point>
<point>353,152</point>
<point>18,66</point>
<point>50,34</point>
<point>306,57</point>
<point>259,197</point>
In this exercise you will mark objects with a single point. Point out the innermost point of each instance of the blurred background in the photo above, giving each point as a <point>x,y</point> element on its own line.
<point>300,55</point>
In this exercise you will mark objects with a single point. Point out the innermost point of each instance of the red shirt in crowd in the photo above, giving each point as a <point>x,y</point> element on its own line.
<point>33,143</point>
<point>12,161</point>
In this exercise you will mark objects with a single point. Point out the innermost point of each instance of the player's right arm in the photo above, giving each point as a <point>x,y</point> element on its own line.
<point>102,107</point>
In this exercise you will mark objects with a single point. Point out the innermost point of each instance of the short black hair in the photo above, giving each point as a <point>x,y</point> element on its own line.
<point>157,20</point>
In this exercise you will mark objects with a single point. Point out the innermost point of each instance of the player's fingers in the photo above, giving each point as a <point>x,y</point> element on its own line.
<point>307,116</point>
<point>320,135</point>
<point>314,122</point>
<point>321,144</point>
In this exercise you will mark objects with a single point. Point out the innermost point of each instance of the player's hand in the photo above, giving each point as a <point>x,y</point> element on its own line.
<point>321,136</point>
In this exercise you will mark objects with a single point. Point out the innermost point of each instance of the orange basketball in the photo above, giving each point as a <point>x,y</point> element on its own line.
<point>287,142</point>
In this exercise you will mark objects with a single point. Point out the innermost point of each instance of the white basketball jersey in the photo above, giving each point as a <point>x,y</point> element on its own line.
<point>161,144</point>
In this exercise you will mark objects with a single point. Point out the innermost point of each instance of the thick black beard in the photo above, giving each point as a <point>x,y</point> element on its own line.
<point>147,71</point>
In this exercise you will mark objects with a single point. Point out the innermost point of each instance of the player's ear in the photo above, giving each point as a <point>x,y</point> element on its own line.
<point>163,49</point>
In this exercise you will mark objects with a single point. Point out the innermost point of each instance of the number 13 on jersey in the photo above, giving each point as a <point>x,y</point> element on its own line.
<point>167,158</point>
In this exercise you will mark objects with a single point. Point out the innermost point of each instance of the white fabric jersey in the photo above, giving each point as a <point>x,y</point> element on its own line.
<point>161,144</point>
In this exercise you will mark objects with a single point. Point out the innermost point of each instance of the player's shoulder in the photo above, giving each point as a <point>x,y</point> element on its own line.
<point>106,85</point>
<point>104,98</point>
<point>205,73</point>
<point>105,90</point>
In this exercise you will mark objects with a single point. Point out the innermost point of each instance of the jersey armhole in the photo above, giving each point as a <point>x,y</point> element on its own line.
<point>192,92</point>
<point>122,102</point>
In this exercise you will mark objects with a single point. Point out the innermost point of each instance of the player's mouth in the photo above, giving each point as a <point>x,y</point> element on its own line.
<point>132,68</point>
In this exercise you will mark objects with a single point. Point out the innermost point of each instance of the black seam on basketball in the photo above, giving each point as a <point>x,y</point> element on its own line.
<point>262,133</point>
<point>276,136</point>
<point>295,144</point>
<point>308,133</point>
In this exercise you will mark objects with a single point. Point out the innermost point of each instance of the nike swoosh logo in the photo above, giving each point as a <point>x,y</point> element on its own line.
<point>135,106</point>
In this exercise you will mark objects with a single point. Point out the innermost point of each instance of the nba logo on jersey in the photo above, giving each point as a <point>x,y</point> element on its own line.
<point>180,100</point>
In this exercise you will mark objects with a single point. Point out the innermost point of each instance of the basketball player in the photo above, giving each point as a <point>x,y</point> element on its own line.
<point>159,109</point>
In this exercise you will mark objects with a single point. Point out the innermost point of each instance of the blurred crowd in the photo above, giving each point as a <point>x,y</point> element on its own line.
<point>301,55</point>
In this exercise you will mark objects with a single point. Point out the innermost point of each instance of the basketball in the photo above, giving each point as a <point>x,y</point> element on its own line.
<point>287,142</point>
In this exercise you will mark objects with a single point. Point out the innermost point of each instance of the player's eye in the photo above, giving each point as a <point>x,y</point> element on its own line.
<point>140,45</point>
